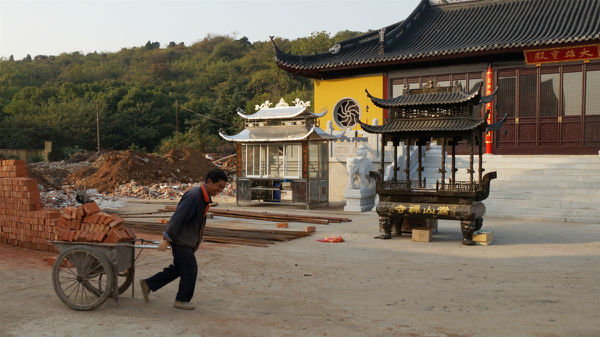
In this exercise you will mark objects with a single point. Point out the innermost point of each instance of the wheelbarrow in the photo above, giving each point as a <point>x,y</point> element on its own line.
<point>86,274</point>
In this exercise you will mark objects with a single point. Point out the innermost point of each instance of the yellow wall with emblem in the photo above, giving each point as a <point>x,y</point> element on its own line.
<point>329,92</point>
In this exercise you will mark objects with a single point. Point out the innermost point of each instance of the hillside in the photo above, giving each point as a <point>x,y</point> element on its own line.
<point>142,95</point>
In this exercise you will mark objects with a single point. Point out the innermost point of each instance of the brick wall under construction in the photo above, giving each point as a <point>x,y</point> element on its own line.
<point>23,220</point>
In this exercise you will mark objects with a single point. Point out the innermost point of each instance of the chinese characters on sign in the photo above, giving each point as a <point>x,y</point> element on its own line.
<point>563,54</point>
<point>415,209</point>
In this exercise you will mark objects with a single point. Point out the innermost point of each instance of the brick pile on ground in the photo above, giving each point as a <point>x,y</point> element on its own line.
<point>23,221</point>
<point>86,223</point>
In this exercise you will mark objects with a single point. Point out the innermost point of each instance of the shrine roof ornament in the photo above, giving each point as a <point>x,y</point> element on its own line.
<point>444,29</point>
<point>282,110</point>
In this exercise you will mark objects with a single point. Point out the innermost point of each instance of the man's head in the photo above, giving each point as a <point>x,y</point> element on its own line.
<point>215,181</point>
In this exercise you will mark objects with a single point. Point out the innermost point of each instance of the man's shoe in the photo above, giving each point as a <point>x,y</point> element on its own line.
<point>145,290</point>
<point>183,305</point>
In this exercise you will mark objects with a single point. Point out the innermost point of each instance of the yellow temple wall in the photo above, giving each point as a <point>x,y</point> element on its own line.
<point>327,93</point>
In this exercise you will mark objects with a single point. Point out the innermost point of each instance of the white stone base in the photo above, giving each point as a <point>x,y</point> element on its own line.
<point>359,200</point>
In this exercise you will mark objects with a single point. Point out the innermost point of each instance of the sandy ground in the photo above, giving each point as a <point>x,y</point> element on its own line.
<point>537,279</point>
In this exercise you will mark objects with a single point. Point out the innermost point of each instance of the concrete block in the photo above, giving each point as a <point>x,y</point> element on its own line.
<point>483,237</point>
<point>422,234</point>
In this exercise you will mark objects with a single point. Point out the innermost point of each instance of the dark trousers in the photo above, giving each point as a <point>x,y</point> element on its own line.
<point>184,266</point>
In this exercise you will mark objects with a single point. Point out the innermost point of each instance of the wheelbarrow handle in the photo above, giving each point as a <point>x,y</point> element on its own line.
<point>149,246</point>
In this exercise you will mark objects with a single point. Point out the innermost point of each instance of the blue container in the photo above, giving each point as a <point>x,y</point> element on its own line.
<point>277,193</point>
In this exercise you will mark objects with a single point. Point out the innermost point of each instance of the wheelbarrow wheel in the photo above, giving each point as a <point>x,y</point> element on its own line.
<point>125,279</point>
<point>77,270</point>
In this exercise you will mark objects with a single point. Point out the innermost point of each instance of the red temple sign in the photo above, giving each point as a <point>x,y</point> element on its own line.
<point>562,54</point>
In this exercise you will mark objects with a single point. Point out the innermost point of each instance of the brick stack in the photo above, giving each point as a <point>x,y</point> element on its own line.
<point>23,222</point>
<point>87,223</point>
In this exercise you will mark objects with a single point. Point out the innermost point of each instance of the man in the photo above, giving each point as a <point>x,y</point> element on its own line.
<point>184,234</point>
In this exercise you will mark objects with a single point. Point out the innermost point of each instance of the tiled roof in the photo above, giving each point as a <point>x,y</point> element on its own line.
<point>418,125</point>
<point>278,134</point>
<point>458,29</point>
<point>281,113</point>
<point>435,99</point>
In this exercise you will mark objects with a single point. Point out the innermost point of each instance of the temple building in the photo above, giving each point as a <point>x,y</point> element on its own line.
<point>542,55</point>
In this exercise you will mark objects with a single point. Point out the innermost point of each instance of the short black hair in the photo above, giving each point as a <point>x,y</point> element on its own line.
<point>216,175</point>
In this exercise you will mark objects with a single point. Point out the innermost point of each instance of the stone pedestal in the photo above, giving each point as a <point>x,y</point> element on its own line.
<point>360,191</point>
<point>359,199</point>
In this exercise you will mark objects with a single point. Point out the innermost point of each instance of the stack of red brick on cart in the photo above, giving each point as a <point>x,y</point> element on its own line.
<point>25,223</point>
<point>87,223</point>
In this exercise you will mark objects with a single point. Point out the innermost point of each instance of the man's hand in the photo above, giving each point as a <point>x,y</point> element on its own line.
<point>162,246</point>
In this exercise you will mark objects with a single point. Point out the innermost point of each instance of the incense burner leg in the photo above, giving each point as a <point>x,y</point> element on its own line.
<point>398,220</point>
<point>478,224</point>
<point>386,225</point>
<point>468,227</point>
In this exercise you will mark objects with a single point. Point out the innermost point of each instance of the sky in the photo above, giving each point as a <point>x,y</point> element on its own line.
<point>52,27</point>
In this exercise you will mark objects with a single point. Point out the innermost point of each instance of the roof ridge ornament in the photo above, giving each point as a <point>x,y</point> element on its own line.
<point>382,41</point>
<point>336,48</point>
<point>298,102</point>
<point>265,105</point>
<point>281,104</point>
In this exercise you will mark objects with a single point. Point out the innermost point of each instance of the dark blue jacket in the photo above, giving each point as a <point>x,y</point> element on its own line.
<point>188,221</point>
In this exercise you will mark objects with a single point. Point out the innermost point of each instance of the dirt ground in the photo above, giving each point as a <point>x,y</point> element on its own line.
<point>537,279</point>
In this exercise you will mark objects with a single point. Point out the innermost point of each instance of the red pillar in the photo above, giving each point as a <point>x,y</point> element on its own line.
<point>489,85</point>
<point>385,96</point>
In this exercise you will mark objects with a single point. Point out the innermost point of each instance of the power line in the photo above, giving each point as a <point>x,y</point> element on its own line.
<point>208,116</point>
<point>142,129</point>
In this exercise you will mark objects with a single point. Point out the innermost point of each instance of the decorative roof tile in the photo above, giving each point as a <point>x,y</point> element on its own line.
<point>277,134</point>
<point>443,98</point>
<point>430,125</point>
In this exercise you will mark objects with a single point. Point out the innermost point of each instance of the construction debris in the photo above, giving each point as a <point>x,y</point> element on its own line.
<point>62,198</point>
<point>250,237</point>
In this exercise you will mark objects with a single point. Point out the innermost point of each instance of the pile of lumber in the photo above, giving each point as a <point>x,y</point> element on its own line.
<point>87,223</point>
<point>276,217</point>
<point>250,237</point>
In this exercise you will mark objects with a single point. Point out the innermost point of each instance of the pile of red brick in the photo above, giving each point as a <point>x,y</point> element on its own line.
<point>87,223</point>
<point>23,222</point>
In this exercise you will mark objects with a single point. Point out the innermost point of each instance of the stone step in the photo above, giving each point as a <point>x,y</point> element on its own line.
<point>592,166</point>
<point>575,195</point>
<point>511,186</point>
<point>535,203</point>
<point>539,217</point>
<point>553,212</point>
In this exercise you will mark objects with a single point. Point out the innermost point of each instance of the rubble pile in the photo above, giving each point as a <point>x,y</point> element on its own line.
<point>154,191</point>
<point>110,175</point>
<point>113,169</point>
<point>162,191</point>
<point>50,175</point>
<point>58,199</point>
<point>191,164</point>
<point>116,168</point>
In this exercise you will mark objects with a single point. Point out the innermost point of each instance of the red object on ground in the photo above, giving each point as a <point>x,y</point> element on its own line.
<point>333,239</point>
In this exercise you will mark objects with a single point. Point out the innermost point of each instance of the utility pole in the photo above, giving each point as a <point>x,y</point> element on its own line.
<point>97,128</point>
<point>176,124</point>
